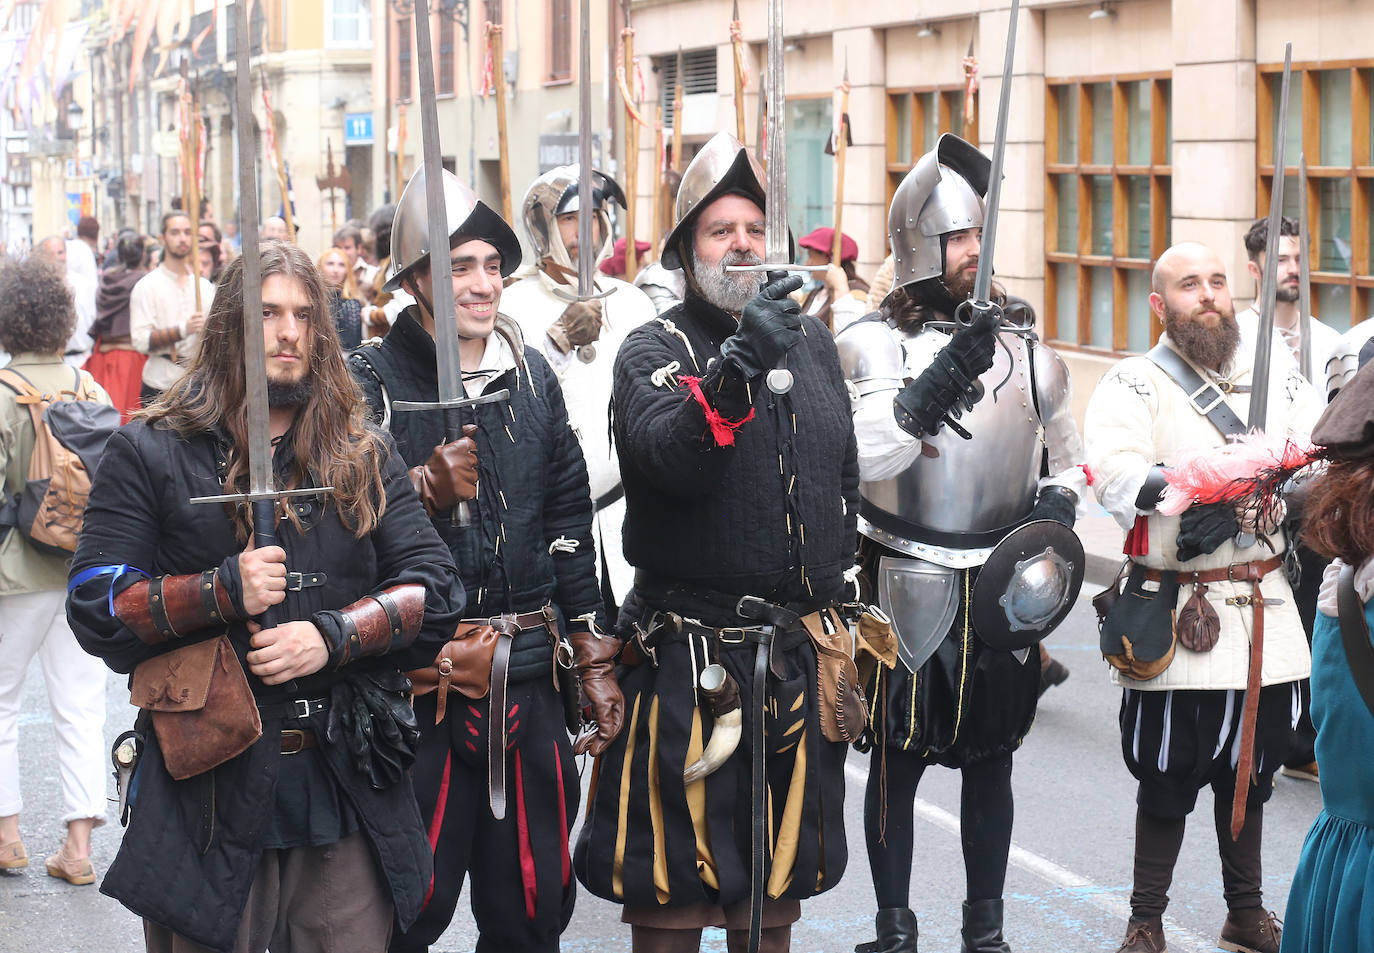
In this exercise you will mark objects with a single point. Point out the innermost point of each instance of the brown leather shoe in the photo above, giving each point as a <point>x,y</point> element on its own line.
<point>13,856</point>
<point>74,870</point>
<point>1255,930</point>
<point>1144,935</point>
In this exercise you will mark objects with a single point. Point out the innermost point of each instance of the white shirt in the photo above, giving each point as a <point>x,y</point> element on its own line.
<point>1325,340</point>
<point>163,299</point>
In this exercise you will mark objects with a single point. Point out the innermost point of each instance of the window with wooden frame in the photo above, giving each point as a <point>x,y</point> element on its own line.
<point>446,67</point>
<point>403,41</point>
<point>916,117</point>
<point>1331,123</point>
<point>1107,208</point>
<point>560,37</point>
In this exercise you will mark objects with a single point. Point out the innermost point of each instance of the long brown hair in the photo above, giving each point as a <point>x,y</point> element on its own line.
<point>1338,518</point>
<point>332,443</point>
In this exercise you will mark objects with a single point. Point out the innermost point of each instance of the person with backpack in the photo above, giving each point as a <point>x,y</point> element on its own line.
<point>34,327</point>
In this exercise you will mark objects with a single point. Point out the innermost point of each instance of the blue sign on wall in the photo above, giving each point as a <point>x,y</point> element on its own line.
<point>357,129</point>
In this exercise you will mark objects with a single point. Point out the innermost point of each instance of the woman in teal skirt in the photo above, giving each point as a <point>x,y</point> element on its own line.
<point>1331,903</point>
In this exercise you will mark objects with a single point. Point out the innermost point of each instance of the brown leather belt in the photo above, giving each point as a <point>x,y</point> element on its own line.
<point>1236,572</point>
<point>509,626</point>
<point>1245,762</point>
<point>296,740</point>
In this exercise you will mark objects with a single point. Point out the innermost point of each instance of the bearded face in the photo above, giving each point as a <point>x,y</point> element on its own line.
<point>1206,332</point>
<point>729,290</point>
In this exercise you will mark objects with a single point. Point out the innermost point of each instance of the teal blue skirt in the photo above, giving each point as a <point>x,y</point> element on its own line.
<point>1331,903</point>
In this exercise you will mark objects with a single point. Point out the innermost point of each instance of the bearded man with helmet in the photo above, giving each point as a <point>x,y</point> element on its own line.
<point>740,515</point>
<point>580,338</point>
<point>969,457</point>
<point>495,772</point>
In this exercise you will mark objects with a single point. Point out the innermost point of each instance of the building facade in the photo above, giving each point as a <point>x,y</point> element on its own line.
<point>1133,124</point>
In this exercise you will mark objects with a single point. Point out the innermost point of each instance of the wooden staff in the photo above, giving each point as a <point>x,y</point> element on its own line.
<point>658,185</point>
<point>737,44</point>
<point>631,151</point>
<point>499,80</point>
<point>190,190</point>
<point>841,144</point>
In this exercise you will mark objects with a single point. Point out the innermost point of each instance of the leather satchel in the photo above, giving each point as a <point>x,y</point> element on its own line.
<point>842,705</point>
<point>875,645</point>
<point>202,709</point>
<point>463,665</point>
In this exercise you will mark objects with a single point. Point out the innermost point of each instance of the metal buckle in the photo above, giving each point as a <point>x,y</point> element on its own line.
<point>302,707</point>
<point>1231,573</point>
<point>1206,386</point>
<point>721,635</point>
<point>296,581</point>
<point>296,733</point>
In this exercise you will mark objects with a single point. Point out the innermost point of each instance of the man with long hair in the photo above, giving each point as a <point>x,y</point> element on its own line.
<point>1219,711</point>
<point>496,775</point>
<point>310,832</point>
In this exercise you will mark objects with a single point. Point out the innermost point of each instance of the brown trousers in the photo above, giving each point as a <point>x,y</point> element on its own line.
<point>330,899</point>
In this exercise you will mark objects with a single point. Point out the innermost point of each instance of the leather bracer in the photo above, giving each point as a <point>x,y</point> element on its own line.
<point>163,608</point>
<point>374,625</point>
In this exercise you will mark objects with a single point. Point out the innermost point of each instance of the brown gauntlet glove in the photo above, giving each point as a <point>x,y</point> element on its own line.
<point>580,324</point>
<point>449,476</point>
<point>594,655</point>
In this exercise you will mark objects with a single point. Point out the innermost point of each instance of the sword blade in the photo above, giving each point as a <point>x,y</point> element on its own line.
<point>775,185</point>
<point>586,254</point>
<point>259,434</point>
<point>450,370</point>
<point>982,283</point>
<point>1259,393</point>
<point>1304,275</point>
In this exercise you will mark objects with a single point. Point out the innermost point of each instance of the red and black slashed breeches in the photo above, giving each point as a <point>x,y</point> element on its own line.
<point>522,889</point>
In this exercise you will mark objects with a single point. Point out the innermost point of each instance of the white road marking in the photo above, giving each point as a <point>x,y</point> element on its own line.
<point>1179,939</point>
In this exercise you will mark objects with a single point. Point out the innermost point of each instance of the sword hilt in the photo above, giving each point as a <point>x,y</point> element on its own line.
<point>264,535</point>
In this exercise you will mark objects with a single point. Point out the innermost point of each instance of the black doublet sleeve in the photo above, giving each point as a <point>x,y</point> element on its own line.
<point>660,427</point>
<point>120,526</point>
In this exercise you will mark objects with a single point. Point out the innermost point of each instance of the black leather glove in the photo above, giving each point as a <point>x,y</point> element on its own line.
<point>1057,503</point>
<point>769,327</point>
<point>950,385</point>
<point>1205,526</point>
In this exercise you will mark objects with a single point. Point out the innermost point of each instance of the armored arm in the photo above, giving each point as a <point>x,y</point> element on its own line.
<point>874,366</point>
<point>1064,447</point>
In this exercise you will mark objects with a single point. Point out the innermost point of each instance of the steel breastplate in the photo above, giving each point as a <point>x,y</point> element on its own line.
<point>970,493</point>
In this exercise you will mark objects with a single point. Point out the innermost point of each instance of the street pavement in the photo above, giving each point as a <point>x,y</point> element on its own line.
<point>1067,887</point>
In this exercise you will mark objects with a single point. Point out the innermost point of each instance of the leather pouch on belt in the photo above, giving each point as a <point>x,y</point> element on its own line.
<point>463,665</point>
<point>875,645</point>
<point>1137,636</point>
<point>843,712</point>
<point>202,708</point>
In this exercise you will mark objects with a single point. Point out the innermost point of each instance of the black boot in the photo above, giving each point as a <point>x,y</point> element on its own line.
<point>983,927</point>
<point>896,932</point>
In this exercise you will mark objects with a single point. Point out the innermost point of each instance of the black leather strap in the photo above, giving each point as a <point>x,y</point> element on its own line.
<point>759,789</point>
<point>932,537</point>
<point>1359,652</point>
<point>610,497</point>
<point>1206,398</point>
<point>393,612</point>
<point>157,609</point>
<point>207,595</point>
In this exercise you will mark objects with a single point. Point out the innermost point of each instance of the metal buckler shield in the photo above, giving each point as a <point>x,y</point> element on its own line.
<point>921,598</point>
<point>1028,585</point>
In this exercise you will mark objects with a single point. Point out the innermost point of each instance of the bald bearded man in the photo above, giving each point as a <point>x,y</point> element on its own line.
<point>1203,714</point>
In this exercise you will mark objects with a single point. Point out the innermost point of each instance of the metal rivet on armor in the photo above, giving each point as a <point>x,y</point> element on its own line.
<point>156,598</point>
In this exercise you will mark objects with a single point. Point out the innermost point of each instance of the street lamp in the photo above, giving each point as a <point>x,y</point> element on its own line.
<point>74,115</point>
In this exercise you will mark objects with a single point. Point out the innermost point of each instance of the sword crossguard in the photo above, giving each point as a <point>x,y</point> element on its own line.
<point>776,266</point>
<point>459,404</point>
<point>572,298</point>
<point>982,315</point>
